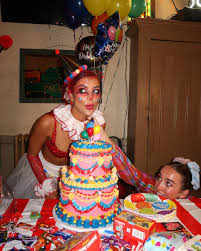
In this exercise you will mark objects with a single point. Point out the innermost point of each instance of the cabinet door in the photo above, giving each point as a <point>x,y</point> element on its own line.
<point>174,124</point>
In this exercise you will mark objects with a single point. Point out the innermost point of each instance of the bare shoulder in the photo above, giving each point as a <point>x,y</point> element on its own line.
<point>44,123</point>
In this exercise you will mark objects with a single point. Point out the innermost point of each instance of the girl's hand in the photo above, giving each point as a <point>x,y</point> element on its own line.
<point>103,135</point>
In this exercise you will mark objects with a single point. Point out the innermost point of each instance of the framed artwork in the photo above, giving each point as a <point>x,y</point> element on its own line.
<point>42,73</point>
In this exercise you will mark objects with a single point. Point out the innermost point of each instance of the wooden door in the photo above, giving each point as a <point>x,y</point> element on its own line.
<point>174,116</point>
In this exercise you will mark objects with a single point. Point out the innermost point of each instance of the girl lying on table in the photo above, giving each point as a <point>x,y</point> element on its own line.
<point>174,180</point>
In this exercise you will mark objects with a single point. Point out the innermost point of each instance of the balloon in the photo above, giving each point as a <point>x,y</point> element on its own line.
<point>89,124</point>
<point>97,7</point>
<point>84,135</point>
<point>96,129</point>
<point>84,52</point>
<point>90,131</point>
<point>122,6</point>
<point>96,21</point>
<point>137,8</point>
<point>107,41</point>
<point>71,20</point>
<point>79,10</point>
<point>96,137</point>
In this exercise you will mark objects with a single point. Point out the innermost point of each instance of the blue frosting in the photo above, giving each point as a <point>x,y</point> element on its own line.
<point>87,144</point>
<point>71,220</point>
<point>64,202</point>
<point>104,205</point>
<point>76,221</point>
<point>83,208</point>
<point>95,223</point>
<point>86,224</point>
<point>79,223</point>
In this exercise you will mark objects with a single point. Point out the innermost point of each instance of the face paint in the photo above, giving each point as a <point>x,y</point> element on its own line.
<point>84,91</point>
<point>86,96</point>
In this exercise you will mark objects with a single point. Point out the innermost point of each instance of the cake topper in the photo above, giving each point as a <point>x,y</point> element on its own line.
<point>91,132</point>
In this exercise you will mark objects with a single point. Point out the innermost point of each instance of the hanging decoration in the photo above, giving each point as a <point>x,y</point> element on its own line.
<point>122,6</point>
<point>97,7</point>
<point>77,11</point>
<point>84,52</point>
<point>108,38</point>
<point>71,20</point>
<point>5,42</point>
<point>96,21</point>
<point>137,8</point>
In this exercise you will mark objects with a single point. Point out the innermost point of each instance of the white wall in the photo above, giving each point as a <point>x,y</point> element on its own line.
<point>165,8</point>
<point>18,117</point>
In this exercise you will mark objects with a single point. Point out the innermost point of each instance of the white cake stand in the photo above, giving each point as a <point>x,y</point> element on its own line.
<point>61,224</point>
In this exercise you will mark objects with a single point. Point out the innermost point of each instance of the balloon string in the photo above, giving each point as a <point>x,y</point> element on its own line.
<point>105,73</point>
<point>114,75</point>
<point>81,33</point>
<point>74,36</point>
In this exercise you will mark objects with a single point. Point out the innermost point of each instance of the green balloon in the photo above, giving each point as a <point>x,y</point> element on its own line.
<point>85,135</point>
<point>137,8</point>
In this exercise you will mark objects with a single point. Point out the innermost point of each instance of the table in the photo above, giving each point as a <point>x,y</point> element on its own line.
<point>188,212</point>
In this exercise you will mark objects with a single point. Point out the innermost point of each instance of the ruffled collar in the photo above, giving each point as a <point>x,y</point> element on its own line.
<point>70,124</point>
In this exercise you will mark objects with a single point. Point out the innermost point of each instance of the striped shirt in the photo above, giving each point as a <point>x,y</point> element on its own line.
<point>128,173</point>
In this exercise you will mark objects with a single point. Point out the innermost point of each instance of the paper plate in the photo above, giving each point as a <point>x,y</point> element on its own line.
<point>150,206</point>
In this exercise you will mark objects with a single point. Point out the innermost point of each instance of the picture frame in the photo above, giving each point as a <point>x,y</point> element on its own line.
<point>42,73</point>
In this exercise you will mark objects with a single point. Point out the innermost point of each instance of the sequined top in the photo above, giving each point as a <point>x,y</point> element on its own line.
<point>51,143</point>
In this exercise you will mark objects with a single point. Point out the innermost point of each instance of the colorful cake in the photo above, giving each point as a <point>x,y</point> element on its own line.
<point>88,188</point>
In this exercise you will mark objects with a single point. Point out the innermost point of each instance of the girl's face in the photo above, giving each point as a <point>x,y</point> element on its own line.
<point>85,97</point>
<point>169,184</point>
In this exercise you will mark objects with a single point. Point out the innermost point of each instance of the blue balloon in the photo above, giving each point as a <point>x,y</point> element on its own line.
<point>71,20</point>
<point>106,44</point>
<point>79,10</point>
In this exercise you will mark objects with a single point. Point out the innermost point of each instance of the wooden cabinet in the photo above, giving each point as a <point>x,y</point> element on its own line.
<point>164,117</point>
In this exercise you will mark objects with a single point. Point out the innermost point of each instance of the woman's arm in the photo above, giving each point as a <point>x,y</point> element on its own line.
<point>127,172</point>
<point>39,133</point>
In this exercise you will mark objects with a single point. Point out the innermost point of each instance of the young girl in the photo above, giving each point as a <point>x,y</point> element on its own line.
<point>51,135</point>
<point>174,180</point>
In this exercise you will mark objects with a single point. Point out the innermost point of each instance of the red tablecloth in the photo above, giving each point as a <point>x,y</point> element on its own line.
<point>188,212</point>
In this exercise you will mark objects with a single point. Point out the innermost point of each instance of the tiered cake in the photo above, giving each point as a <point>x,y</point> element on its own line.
<point>88,188</point>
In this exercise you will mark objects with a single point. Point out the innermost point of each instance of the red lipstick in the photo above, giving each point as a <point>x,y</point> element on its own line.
<point>89,107</point>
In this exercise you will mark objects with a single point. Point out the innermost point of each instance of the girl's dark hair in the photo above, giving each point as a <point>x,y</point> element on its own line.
<point>183,170</point>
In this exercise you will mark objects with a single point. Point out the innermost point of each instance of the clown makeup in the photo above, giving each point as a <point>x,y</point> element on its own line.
<point>85,96</point>
<point>83,91</point>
